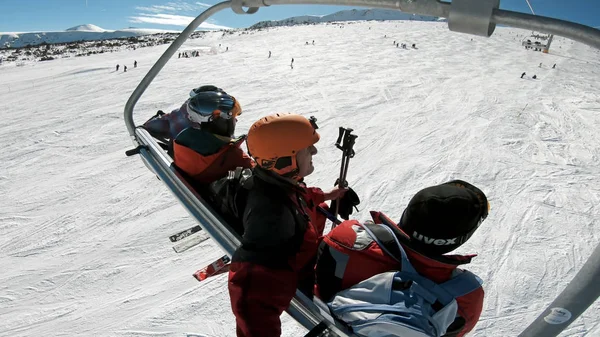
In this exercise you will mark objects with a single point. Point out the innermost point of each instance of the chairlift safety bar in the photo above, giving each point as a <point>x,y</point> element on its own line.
<point>478,17</point>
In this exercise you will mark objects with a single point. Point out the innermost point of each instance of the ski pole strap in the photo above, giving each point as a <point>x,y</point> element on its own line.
<point>329,215</point>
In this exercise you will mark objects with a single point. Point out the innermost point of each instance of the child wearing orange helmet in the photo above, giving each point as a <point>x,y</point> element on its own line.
<point>281,222</point>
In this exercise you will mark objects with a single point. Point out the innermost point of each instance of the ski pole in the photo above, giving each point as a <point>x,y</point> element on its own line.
<point>345,142</point>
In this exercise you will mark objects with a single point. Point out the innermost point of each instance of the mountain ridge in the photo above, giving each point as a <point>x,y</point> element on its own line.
<point>91,32</point>
<point>347,15</point>
<point>88,32</point>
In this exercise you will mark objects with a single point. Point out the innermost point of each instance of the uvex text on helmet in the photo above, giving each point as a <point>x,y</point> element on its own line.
<point>441,218</point>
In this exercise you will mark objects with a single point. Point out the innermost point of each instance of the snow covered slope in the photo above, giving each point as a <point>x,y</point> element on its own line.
<point>83,228</point>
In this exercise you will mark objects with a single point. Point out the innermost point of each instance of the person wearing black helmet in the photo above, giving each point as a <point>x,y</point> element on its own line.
<point>209,152</point>
<point>166,126</point>
<point>201,135</point>
<point>437,220</point>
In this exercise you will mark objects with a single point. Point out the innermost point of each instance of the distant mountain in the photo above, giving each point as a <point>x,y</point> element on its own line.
<point>348,15</point>
<point>86,28</point>
<point>78,33</point>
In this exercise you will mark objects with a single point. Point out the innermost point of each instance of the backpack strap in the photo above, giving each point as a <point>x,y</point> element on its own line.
<point>459,285</point>
<point>406,266</point>
<point>462,284</point>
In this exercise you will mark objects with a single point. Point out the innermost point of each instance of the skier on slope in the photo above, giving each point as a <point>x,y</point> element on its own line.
<point>201,134</point>
<point>437,220</point>
<point>281,222</point>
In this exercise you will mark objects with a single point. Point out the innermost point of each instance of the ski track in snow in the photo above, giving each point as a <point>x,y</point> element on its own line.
<point>84,229</point>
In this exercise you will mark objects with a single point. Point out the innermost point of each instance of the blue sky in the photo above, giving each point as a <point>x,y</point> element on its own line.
<point>56,15</point>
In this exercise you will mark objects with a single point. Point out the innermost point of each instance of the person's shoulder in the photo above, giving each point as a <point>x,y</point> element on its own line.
<point>265,195</point>
<point>267,214</point>
<point>268,198</point>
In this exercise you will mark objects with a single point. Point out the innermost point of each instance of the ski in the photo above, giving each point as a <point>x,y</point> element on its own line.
<point>219,266</point>
<point>190,241</point>
<point>185,233</point>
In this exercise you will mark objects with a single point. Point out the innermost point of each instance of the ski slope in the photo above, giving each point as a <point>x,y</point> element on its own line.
<point>84,247</point>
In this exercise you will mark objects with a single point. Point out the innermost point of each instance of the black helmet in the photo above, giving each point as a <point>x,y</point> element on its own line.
<point>215,111</point>
<point>203,88</point>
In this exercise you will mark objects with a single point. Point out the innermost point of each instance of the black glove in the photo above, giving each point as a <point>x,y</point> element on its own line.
<point>347,202</point>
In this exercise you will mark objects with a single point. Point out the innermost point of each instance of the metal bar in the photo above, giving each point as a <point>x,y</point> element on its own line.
<point>580,293</point>
<point>137,93</point>
<point>437,8</point>
<point>571,30</point>
<point>156,158</point>
<point>422,7</point>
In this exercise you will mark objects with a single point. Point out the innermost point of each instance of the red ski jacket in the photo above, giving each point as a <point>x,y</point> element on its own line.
<point>282,228</point>
<point>213,161</point>
<point>347,258</point>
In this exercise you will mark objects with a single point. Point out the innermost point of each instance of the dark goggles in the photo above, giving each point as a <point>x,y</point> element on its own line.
<point>208,105</point>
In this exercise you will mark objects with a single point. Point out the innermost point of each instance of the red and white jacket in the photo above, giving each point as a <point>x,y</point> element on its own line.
<point>348,256</point>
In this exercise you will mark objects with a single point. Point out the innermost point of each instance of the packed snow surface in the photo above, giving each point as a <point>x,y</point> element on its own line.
<point>84,247</point>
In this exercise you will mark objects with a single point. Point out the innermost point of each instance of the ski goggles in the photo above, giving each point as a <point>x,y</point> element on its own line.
<point>207,106</point>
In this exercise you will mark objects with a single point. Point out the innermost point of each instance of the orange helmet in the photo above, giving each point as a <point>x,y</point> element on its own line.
<point>273,141</point>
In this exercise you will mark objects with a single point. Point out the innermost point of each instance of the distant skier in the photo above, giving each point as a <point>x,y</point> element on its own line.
<point>554,66</point>
<point>117,67</point>
<point>179,56</point>
<point>292,64</point>
<point>313,42</point>
<point>523,74</point>
<point>534,77</point>
<point>226,48</point>
<point>269,54</point>
<point>124,69</point>
<point>135,64</point>
<point>540,62</point>
<point>414,45</point>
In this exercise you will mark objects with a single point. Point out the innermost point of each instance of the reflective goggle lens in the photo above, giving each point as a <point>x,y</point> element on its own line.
<point>214,104</point>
